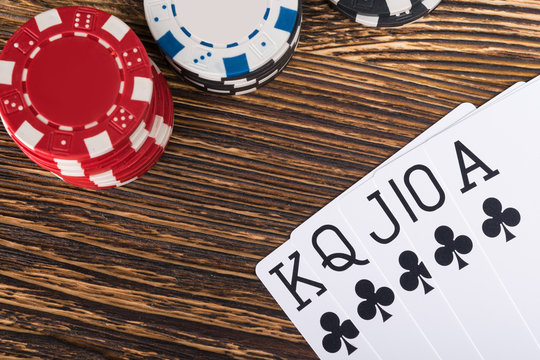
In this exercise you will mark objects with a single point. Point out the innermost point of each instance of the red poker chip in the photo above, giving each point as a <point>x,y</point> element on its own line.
<point>105,146</point>
<point>74,168</point>
<point>74,83</point>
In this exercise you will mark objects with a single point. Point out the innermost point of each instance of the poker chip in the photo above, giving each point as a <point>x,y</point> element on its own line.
<point>377,7</point>
<point>232,47</point>
<point>81,98</point>
<point>417,11</point>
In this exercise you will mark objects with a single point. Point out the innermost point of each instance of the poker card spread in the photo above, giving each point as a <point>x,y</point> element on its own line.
<point>435,253</point>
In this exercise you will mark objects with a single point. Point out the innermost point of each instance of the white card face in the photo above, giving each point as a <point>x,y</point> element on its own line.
<point>312,309</point>
<point>405,268</point>
<point>359,286</point>
<point>420,207</point>
<point>491,170</point>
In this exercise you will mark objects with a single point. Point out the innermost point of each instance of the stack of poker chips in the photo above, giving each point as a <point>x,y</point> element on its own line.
<point>81,98</point>
<point>379,13</point>
<point>226,47</point>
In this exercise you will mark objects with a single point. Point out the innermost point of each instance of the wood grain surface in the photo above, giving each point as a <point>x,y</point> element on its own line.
<point>164,268</point>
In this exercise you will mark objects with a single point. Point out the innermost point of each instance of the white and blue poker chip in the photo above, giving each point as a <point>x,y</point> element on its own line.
<point>217,39</point>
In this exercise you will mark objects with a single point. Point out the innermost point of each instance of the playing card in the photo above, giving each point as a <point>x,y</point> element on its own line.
<point>355,281</point>
<point>491,173</point>
<point>311,307</point>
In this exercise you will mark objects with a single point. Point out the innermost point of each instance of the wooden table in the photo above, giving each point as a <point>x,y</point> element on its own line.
<point>164,268</point>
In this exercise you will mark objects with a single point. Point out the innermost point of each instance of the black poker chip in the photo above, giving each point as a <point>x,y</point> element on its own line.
<point>377,7</point>
<point>416,12</point>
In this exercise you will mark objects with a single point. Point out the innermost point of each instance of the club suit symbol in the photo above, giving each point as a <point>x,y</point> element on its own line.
<point>499,219</point>
<point>417,272</point>
<point>339,332</point>
<point>451,247</point>
<point>373,300</point>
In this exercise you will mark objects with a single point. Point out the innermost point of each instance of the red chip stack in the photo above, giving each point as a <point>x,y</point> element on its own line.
<point>82,99</point>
